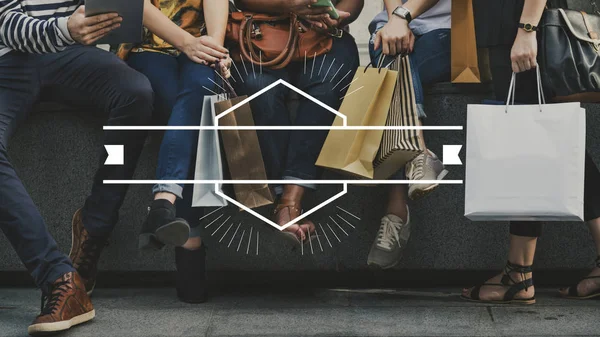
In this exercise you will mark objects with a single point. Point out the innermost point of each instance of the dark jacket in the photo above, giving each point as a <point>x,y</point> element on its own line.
<point>496,21</point>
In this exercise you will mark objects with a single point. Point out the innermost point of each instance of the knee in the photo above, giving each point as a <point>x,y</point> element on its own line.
<point>136,93</point>
<point>253,84</point>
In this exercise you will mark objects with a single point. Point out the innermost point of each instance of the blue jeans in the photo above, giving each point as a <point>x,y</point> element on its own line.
<point>78,75</point>
<point>179,95</point>
<point>291,155</point>
<point>430,61</point>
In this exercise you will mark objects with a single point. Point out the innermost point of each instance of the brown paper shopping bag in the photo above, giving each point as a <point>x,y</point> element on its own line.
<point>398,147</point>
<point>465,66</point>
<point>366,104</point>
<point>243,153</point>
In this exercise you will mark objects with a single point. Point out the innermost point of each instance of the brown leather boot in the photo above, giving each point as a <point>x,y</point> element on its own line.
<point>85,252</point>
<point>67,305</point>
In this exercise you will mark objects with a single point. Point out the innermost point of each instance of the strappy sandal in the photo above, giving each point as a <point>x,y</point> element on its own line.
<point>574,294</point>
<point>507,281</point>
<point>290,209</point>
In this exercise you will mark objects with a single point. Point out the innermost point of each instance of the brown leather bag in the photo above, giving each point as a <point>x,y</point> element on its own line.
<point>274,41</point>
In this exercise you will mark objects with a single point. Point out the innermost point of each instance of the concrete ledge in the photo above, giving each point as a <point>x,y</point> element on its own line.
<point>56,156</point>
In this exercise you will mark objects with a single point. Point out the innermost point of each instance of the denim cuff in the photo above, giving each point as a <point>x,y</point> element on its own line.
<point>298,181</point>
<point>175,189</point>
<point>53,275</point>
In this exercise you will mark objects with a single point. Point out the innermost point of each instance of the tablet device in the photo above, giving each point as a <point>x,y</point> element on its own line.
<point>132,12</point>
<point>327,3</point>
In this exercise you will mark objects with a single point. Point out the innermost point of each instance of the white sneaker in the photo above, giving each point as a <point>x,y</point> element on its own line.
<point>426,166</point>
<point>391,241</point>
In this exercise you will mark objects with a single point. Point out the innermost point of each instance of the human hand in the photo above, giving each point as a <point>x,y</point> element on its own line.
<point>225,67</point>
<point>523,55</point>
<point>325,21</point>
<point>88,30</point>
<point>204,50</point>
<point>304,7</point>
<point>395,37</point>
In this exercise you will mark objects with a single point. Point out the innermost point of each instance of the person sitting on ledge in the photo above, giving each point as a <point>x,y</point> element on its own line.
<point>421,30</point>
<point>179,55</point>
<point>46,51</point>
<point>292,155</point>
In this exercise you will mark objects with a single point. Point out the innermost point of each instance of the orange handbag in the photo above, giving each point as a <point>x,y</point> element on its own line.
<point>274,41</point>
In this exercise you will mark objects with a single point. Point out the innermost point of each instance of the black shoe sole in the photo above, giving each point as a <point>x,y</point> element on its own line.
<point>175,233</point>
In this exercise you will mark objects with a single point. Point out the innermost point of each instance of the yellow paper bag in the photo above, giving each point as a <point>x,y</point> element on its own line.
<point>465,65</point>
<point>366,104</point>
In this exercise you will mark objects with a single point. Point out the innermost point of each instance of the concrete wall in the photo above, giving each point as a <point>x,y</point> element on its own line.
<point>56,155</point>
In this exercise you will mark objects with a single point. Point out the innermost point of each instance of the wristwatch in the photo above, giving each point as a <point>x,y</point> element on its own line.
<point>403,13</point>
<point>528,27</point>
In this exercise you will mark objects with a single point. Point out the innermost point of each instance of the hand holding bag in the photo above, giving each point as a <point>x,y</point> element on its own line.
<point>525,162</point>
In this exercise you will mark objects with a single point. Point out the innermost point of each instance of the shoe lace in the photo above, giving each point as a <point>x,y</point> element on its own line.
<point>50,302</point>
<point>91,249</point>
<point>417,165</point>
<point>388,234</point>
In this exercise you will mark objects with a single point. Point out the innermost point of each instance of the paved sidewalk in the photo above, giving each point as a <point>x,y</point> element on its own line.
<point>156,312</point>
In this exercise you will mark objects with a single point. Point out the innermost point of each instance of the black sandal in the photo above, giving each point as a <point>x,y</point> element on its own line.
<point>574,294</point>
<point>507,281</point>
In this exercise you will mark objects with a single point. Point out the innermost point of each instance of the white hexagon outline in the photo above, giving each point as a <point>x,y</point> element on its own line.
<point>314,100</point>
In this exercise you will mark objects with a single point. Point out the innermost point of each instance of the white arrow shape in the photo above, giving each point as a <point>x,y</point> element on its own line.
<point>451,153</point>
<point>116,155</point>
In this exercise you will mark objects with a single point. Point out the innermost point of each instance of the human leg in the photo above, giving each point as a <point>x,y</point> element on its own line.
<point>514,284</point>
<point>430,63</point>
<point>589,287</point>
<point>90,75</point>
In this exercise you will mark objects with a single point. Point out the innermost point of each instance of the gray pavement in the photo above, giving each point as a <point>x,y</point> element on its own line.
<point>156,312</point>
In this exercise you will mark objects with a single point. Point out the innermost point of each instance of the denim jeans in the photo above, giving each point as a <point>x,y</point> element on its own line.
<point>430,61</point>
<point>79,75</point>
<point>291,155</point>
<point>179,86</point>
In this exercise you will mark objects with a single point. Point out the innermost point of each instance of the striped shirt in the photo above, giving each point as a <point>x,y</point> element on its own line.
<point>35,26</point>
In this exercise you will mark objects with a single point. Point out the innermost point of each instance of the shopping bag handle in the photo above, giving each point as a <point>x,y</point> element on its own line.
<point>510,100</point>
<point>381,62</point>
<point>226,84</point>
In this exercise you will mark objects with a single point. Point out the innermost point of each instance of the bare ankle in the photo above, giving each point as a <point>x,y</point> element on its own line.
<point>166,196</point>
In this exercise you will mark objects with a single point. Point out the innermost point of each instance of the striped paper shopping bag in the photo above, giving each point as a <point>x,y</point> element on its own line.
<point>398,147</point>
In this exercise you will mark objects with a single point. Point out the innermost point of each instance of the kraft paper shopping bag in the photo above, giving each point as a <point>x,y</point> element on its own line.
<point>208,159</point>
<point>398,147</point>
<point>465,65</point>
<point>243,153</point>
<point>366,104</point>
<point>525,162</point>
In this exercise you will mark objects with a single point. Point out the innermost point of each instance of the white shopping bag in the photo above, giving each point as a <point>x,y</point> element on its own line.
<point>525,162</point>
<point>208,161</point>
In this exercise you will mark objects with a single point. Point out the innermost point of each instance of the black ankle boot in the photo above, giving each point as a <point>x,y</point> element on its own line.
<point>162,227</point>
<point>191,274</point>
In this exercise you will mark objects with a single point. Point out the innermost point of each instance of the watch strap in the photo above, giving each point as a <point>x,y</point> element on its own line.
<point>528,27</point>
